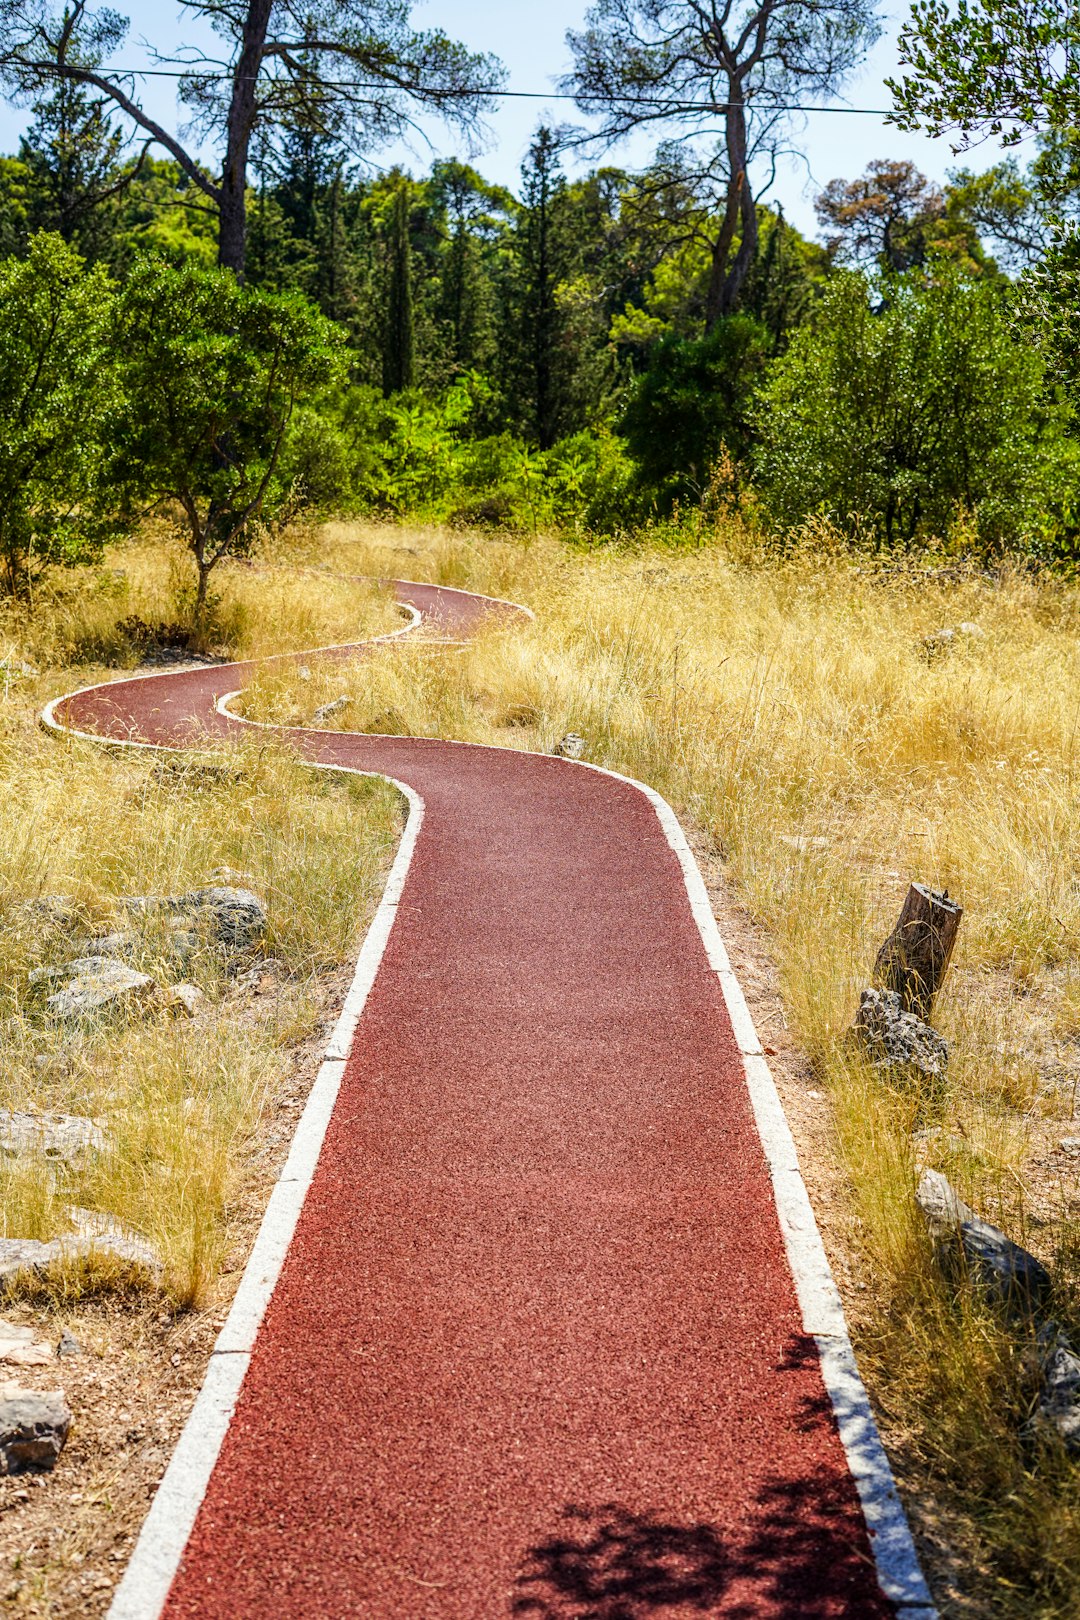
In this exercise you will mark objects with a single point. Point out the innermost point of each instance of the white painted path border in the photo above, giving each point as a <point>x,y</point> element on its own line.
<point>143,1591</point>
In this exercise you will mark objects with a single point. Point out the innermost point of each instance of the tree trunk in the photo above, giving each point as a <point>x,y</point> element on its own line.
<point>726,284</point>
<point>201,589</point>
<point>914,958</point>
<point>232,226</point>
<point>748,246</point>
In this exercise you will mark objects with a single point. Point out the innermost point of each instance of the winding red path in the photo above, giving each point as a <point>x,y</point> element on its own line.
<point>535,1350</point>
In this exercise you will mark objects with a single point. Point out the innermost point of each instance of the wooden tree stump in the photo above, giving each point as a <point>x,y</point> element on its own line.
<point>913,959</point>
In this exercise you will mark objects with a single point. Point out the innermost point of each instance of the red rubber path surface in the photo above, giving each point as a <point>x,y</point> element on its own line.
<point>535,1350</point>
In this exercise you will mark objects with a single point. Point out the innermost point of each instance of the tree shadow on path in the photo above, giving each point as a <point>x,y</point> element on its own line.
<point>611,1564</point>
<point>803,1554</point>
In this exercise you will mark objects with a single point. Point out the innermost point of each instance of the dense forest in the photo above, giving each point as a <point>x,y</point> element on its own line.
<point>596,353</point>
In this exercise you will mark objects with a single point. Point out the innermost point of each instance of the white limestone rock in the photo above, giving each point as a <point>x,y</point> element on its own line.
<point>65,1137</point>
<point>896,1041</point>
<point>1004,1269</point>
<point>328,710</point>
<point>94,984</point>
<point>232,917</point>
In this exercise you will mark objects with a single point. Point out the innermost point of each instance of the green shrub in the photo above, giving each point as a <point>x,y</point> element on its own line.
<point>211,373</point>
<point>695,401</point>
<point>57,386</point>
<point>893,420</point>
<point>315,461</point>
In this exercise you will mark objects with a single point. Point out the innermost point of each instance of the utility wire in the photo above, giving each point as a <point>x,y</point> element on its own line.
<point>503,95</point>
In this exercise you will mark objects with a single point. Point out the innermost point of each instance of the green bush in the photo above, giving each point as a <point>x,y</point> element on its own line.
<point>417,455</point>
<point>57,386</point>
<point>694,402</point>
<point>211,373</point>
<point>315,461</point>
<point>895,420</point>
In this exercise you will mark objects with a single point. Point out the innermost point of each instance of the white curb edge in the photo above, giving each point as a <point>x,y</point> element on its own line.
<point>144,1588</point>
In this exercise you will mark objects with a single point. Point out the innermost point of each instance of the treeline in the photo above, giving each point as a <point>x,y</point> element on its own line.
<point>558,356</point>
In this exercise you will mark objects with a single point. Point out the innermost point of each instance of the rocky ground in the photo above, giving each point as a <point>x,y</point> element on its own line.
<point>128,1368</point>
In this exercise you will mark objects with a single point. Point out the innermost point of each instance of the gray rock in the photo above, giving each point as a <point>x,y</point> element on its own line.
<point>95,984</point>
<point>179,942</point>
<point>233,917</point>
<point>1071,1146</point>
<point>183,943</point>
<point>57,1136</point>
<point>19,1255</point>
<point>33,1429</point>
<point>19,1347</point>
<point>260,977</point>
<point>68,1345</point>
<point>1007,1271</point>
<point>197,771</point>
<point>105,1233</point>
<point>941,1204</point>
<point>16,669</point>
<point>52,910</point>
<point>230,877</point>
<point>121,942</point>
<point>570,747</point>
<point>896,1041</point>
<point>1058,1409</point>
<point>943,640</point>
<point>328,710</point>
<point>184,999</point>
<point>237,917</point>
<point>28,1254</point>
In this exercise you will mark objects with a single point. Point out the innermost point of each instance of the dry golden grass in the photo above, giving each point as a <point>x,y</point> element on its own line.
<point>256,608</point>
<point>778,701</point>
<point>180,1102</point>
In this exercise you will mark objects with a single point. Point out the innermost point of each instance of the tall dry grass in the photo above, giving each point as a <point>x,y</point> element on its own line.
<point>794,711</point>
<point>181,1103</point>
<point>114,614</point>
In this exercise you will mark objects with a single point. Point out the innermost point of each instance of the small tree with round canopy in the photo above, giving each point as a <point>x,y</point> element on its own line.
<point>211,373</point>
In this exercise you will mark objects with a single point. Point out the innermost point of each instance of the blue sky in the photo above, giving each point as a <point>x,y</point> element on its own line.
<point>530,39</point>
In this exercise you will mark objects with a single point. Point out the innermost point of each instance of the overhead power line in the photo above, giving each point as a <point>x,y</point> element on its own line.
<point>660,102</point>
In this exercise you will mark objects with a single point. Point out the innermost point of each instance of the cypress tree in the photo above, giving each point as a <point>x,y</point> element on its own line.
<point>399,360</point>
<point>543,261</point>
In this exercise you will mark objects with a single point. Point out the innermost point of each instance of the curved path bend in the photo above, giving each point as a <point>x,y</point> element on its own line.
<point>538,1324</point>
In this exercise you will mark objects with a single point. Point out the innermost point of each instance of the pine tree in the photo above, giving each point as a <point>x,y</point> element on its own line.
<point>71,153</point>
<point>334,284</point>
<point>780,289</point>
<point>399,360</point>
<point>473,230</point>
<point>272,250</point>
